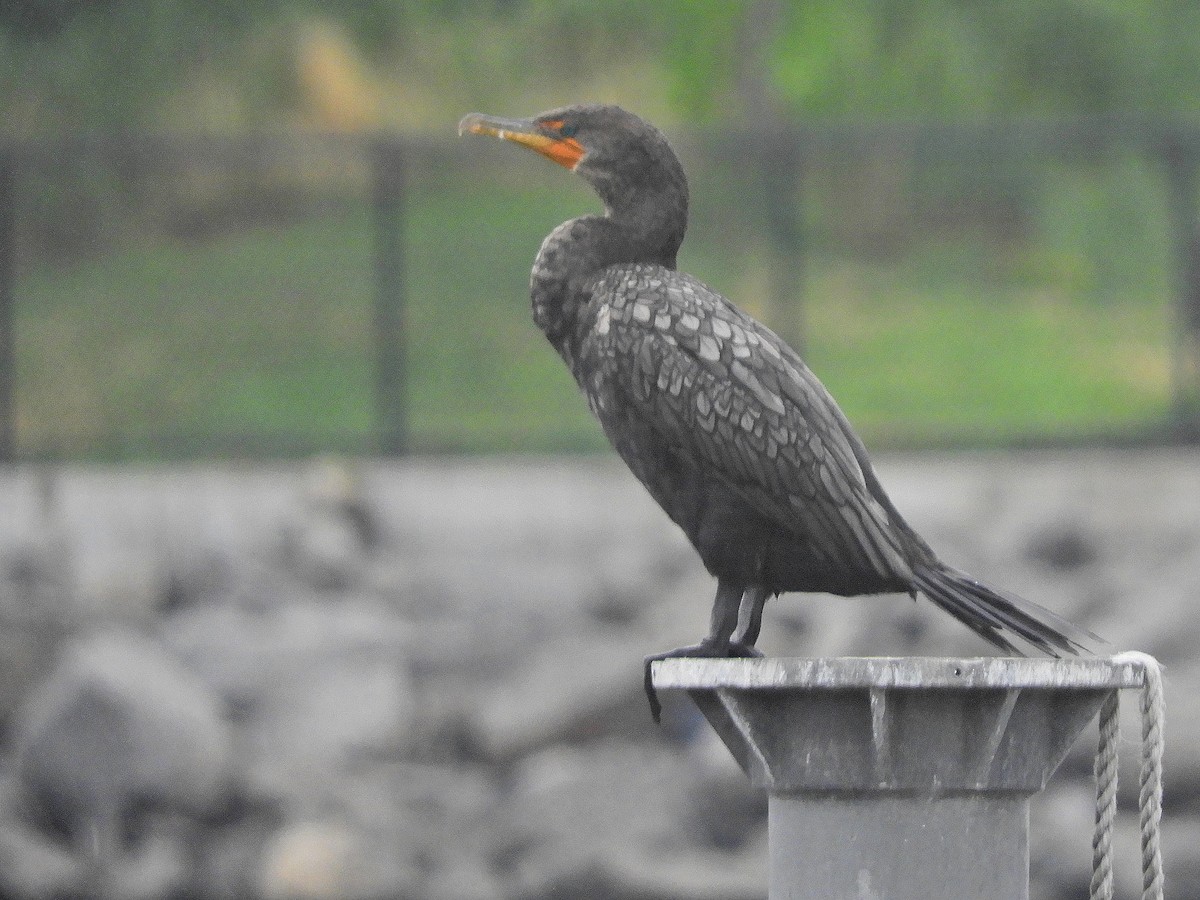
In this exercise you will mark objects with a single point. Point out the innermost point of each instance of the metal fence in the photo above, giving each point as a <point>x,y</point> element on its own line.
<point>70,205</point>
<point>66,204</point>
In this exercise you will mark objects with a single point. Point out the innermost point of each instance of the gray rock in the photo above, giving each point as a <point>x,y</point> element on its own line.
<point>390,829</point>
<point>159,864</point>
<point>244,650</point>
<point>686,875</point>
<point>34,866</point>
<point>330,860</point>
<point>1064,546</point>
<point>228,856</point>
<point>443,817</point>
<point>119,725</point>
<point>609,820</point>
<point>488,618</point>
<point>458,878</point>
<point>568,685</point>
<point>197,574</point>
<point>1061,847</point>
<point>329,538</point>
<point>321,718</point>
<point>38,608</point>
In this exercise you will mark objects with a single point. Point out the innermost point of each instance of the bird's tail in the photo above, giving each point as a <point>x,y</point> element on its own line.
<point>995,615</point>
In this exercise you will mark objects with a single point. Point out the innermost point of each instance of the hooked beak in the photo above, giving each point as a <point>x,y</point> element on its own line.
<point>539,136</point>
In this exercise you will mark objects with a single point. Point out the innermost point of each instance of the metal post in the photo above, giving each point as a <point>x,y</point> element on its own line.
<point>8,280</point>
<point>387,206</point>
<point>907,779</point>
<point>1181,156</point>
<point>780,171</point>
<point>775,154</point>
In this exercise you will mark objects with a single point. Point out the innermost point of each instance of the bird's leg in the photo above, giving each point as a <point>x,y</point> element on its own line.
<point>750,618</point>
<point>719,644</point>
<point>726,606</point>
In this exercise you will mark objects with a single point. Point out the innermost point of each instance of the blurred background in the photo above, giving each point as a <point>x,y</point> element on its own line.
<point>316,579</point>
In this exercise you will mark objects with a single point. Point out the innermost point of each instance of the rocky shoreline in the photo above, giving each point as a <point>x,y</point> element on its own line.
<point>422,678</point>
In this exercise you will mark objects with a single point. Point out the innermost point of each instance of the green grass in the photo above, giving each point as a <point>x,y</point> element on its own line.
<point>262,340</point>
<point>967,364</point>
<point>262,332</point>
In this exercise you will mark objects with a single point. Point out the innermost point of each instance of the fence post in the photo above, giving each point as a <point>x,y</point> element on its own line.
<point>1181,156</point>
<point>8,281</point>
<point>780,171</point>
<point>904,778</point>
<point>387,206</point>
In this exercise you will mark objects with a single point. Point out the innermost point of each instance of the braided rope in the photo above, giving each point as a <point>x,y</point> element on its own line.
<point>1150,794</point>
<point>1150,790</point>
<point>1106,797</point>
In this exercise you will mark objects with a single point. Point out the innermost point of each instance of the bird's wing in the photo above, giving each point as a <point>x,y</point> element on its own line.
<point>727,393</point>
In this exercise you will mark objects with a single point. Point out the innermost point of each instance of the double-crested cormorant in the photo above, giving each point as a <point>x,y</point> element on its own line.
<point>723,423</point>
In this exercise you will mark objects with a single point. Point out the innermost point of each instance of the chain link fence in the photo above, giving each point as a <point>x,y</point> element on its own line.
<point>279,295</point>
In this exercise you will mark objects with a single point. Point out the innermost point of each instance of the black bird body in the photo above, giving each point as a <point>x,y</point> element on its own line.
<point>735,438</point>
<point>731,433</point>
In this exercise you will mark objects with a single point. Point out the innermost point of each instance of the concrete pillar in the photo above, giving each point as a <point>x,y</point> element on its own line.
<point>898,779</point>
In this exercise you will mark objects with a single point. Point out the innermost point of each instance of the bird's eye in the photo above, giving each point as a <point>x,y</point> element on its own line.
<point>568,129</point>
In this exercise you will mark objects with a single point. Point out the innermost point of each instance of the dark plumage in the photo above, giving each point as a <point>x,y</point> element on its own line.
<point>723,423</point>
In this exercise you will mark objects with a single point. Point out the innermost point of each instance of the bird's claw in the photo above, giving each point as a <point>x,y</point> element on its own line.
<point>706,649</point>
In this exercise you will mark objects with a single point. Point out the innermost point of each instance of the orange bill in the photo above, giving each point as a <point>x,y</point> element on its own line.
<point>540,136</point>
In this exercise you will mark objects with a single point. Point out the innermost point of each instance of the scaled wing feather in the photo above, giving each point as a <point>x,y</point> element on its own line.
<point>726,392</point>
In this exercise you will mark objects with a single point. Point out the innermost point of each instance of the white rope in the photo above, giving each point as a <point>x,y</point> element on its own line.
<point>1106,797</point>
<point>1150,793</point>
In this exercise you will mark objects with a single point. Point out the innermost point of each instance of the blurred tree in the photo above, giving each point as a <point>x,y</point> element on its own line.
<point>84,66</point>
<point>947,57</point>
<point>974,57</point>
<point>71,63</point>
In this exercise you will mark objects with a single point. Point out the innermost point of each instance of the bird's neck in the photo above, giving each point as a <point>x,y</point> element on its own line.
<point>577,251</point>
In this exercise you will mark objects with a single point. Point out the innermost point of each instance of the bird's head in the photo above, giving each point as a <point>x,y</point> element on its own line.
<point>622,156</point>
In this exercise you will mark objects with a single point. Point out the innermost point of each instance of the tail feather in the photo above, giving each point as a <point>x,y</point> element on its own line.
<point>995,615</point>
